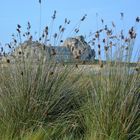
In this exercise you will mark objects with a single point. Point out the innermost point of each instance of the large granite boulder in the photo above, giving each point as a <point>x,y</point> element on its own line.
<point>79,48</point>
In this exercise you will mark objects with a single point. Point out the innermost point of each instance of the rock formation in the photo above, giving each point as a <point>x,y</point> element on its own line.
<point>73,48</point>
<point>79,48</point>
<point>29,49</point>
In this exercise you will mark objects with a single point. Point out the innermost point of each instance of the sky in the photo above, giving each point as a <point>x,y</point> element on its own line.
<point>13,12</point>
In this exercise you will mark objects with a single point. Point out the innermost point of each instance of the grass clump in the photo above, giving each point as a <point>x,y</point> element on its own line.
<point>112,110</point>
<point>34,97</point>
<point>52,101</point>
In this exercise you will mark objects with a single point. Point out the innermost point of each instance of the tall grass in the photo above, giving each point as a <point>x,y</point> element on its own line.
<point>52,101</point>
<point>112,111</point>
<point>45,100</point>
<point>36,96</point>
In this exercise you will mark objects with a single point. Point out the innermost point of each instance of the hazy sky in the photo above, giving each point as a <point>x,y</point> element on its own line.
<point>13,12</point>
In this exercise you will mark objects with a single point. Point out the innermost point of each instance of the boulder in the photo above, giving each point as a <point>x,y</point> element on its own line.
<point>28,49</point>
<point>79,48</point>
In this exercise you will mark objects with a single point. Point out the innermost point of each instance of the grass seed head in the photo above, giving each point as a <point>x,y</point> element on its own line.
<point>99,52</point>
<point>18,26</point>
<point>138,19</point>
<point>104,40</point>
<point>99,46</point>
<point>53,52</point>
<point>51,73</point>
<point>76,65</point>
<point>102,21</point>
<point>39,1</point>
<point>54,15</point>
<point>22,73</point>
<point>84,17</point>
<point>55,35</point>
<point>8,60</point>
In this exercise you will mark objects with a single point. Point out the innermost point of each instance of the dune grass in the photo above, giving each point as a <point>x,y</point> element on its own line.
<point>52,101</point>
